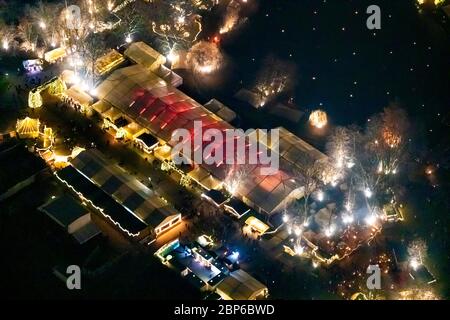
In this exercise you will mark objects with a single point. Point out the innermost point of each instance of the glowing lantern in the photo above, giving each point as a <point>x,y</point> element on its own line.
<point>28,128</point>
<point>318,119</point>
<point>35,99</point>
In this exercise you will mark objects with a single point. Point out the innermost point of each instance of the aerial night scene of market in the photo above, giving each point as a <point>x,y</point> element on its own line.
<point>225,150</point>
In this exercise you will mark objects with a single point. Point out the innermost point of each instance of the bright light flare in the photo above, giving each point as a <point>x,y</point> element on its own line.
<point>348,218</point>
<point>172,56</point>
<point>206,69</point>
<point>330,231</point>
<point>350,164</point>
<point>299,250</point>
<point>368,193</point>
<point>415,264</point>
<point>320,196</point>
<point>85,86</point>
<point>371,220</point>
<point>110,5</point>
<point>75,79</point>
<point>429,170</point>
<point>380,167</point>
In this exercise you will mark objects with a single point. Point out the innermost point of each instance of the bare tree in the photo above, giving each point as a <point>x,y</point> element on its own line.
<point>44,18</point>
<point>387,133</point>
<point>340,148</point>
<point>27,34</point>
<point>131,20</point>
<point>92,48</point>
<point>7,41</point>
<point>417,250</point>
<point>310,179</point>
<point>275,77</point>
<point>176,23</point>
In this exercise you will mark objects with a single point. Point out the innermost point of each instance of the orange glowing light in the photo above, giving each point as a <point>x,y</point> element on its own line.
<point>318,119</point>
<point>392,139</point>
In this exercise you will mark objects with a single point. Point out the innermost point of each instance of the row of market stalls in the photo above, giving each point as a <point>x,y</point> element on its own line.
<point>33,66</point>
<point>239,210</point>
<point>138,104</point>
<point>144,98</point>
<point>123,199</point>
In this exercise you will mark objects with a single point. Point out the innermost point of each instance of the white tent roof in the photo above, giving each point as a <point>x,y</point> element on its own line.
<point>240,285</point>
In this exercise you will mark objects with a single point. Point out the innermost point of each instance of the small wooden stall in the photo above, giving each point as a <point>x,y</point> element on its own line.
<point>55,55</point>
<point>78,99</point>
<point>108,62</point>
<point>28,128</point>
<point>257,225</point>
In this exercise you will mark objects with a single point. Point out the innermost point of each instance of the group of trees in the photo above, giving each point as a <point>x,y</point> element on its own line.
<point>276,77</point>
<point>101,24</point>
<point>46,26</point>
<point>367,159</point>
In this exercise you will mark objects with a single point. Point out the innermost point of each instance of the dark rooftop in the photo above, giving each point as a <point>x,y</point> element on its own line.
<point>64,210</point>
<point>17,165</point>
<point>240,207</point>
<point>121,122</point>
<point>148,139</point>
<point>101,199</point>
<point>217,196</point>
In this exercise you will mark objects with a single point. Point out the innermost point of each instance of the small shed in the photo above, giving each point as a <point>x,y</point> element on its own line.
<point>144,55</point>
<point>55,55</point>
<point>257,225</point>
<point>108,62</point>
<point>240,285</point>
<point>72,216</point>
<point>79,96</point>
